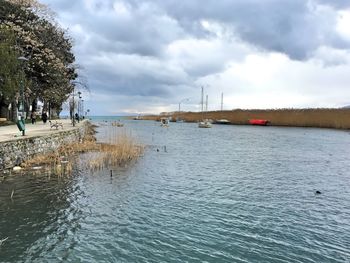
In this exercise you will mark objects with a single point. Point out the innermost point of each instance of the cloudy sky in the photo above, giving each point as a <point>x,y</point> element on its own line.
<point>148,55</point>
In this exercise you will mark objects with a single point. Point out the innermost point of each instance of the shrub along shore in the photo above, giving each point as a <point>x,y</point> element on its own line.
<point>320,118</point>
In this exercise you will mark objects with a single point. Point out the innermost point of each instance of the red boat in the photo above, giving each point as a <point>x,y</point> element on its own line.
<point>258,122</point>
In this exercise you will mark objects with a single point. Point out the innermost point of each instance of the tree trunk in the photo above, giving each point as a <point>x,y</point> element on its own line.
<point>34,104</point>
<point>3,109</point>
<point>44,105</point>
<point>54,113</point>
<point>14,110</point>
<point>27,108</point>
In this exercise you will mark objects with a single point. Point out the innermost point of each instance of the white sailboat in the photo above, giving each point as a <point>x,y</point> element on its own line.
<point>222,121</point>
<point>164,122</point>
<point>205,123</point>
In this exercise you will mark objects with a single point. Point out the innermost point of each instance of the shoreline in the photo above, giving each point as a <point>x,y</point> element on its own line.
<point>316,118</point>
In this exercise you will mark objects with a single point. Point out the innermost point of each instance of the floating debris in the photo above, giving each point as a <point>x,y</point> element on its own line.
<point>17,168</point>
<point>2,241</point>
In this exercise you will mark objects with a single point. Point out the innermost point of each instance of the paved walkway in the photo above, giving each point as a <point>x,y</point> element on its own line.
<point>11,132</point>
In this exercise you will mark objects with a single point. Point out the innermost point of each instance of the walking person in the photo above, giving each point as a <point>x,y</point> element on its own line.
<point>33,117</point>
<point>44,117</point>
<point>77,117</point>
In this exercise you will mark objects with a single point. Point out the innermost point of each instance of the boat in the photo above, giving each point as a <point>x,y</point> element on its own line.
<point>117,124</point>
<point>180,120</point>
<point>222,121</point>
<point>260,122</point>
<point>205,123</point>
<point>164,122</point>
<point>138,117</point>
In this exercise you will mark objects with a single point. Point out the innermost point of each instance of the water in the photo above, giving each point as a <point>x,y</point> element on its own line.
<point>226,194</point>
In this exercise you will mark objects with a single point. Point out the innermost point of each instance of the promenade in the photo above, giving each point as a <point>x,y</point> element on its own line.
<point>11,132</point>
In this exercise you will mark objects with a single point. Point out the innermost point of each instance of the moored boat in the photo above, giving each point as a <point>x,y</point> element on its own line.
<point>179,120</point>
<point>260,122</point>
<point>204,124</point>
<point>222,121</point>
<point>164,122</point>
<point>117,123</point>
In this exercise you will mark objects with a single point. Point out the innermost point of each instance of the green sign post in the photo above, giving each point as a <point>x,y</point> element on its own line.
<point>21,123</point>
<point>21,126</point>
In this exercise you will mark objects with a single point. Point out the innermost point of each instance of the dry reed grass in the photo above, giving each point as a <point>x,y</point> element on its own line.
<point>322,118</point>
<point>118,150</point>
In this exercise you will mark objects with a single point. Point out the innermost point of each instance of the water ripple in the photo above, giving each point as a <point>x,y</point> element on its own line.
<point>228,194</point>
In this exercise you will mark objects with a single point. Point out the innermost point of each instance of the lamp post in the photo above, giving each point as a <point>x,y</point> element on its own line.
<point>22,125</point>
<point>82,108</point>
<point>79,105</point>
<point>73,106</point>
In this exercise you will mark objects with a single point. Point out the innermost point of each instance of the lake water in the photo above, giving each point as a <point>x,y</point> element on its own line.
<point>226,194</point>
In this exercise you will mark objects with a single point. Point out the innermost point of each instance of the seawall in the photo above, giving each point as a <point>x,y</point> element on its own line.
<point>321,118</point>
<point>15,152</point>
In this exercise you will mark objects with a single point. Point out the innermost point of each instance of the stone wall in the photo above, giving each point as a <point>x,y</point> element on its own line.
<point>14,152</point>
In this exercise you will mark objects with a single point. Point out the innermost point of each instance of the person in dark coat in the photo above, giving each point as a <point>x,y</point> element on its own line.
<point>44,117</point>
<point>77,117</point>
<point>33,117</point>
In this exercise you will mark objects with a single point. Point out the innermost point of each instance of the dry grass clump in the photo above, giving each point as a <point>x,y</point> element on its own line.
<point>62,154</point>
<point>119,150</point>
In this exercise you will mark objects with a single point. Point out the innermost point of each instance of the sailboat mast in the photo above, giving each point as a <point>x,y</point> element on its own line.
<point>206,104</point>
<point>202,99</point>
<point>222,101</point>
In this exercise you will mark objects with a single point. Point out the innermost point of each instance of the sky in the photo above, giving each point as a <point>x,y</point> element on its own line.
<point>149,56</point>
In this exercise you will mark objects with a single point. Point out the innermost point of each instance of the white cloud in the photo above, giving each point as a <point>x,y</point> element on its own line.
<point>343,24</point>
<point>122,9</point>
<point>273,80</point>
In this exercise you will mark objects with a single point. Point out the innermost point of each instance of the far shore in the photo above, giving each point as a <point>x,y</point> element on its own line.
<point>320,118</point>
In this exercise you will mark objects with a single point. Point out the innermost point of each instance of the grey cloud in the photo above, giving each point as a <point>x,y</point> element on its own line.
<point>145,31</point>
<point>293,27</point>
<point>132,75</point>
<point>335,3</point>
<point>131,87</point>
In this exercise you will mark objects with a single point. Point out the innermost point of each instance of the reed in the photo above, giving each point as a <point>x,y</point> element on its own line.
<point>119,149</point>
<point>320,117</point>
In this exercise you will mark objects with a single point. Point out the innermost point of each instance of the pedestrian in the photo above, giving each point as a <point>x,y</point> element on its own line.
<point>77,117</point>
<point>33,117</point>
<point>44,117</point>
